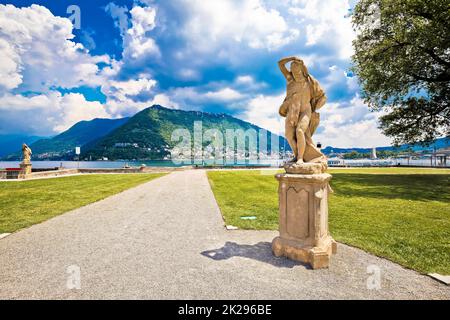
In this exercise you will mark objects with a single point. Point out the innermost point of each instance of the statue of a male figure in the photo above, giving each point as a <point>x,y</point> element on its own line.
<point>304,97</point>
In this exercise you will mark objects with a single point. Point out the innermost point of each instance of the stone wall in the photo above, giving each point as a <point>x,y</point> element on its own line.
<point>45,173</point>
<point>53,173</point>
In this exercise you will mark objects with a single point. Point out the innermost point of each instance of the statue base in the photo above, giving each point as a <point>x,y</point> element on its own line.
<point>303,219</point>
<point>25,170</point>
<point>316,257</point>
<point>305,168</point>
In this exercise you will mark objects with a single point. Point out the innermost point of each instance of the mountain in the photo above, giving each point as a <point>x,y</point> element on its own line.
<point>64,144</point>
<point>147,135</point>
<point>12,142</point>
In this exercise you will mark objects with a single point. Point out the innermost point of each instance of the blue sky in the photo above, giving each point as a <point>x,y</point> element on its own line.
<point>215,56</point>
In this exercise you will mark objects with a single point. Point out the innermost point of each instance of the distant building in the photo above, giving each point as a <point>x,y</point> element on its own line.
<point>125,144</point>
<point>374,153</point>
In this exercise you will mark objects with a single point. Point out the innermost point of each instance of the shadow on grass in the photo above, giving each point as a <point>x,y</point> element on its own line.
<point>423,187</point>
<point>262,251</point>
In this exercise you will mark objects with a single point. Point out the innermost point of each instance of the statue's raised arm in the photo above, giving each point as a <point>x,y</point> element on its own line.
<point>282,65</point>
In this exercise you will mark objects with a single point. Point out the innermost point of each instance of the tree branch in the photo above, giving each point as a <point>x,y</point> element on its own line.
<point>432,54</point>
<point>443,77</point>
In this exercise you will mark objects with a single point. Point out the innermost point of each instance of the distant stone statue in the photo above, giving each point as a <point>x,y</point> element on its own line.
<point>25,165</point>
<point>26,151</point>
<point>304,97</point>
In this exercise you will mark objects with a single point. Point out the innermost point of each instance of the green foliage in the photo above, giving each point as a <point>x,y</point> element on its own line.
<point>381,154</point>
<point>356,155</point>
<point>381,210</point>
<point>47,198</point>
<point>402,60</point>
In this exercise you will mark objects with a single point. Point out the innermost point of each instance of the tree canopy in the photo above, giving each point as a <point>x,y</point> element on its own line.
<point>402,58</point>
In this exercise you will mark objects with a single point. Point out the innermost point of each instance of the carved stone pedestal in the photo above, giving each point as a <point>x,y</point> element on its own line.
<point>303,205</point>
<point>25,170</point>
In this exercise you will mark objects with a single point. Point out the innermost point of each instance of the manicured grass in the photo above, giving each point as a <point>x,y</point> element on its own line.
<point>24,203</point>
<point>401,214</point>
<point>401,170</point>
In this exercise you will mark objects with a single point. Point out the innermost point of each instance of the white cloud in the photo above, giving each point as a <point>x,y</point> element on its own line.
<point>119,15</point>
<point>46,114</point>
<point>193,97</point>
<point>230,95</point>
<point>248,84</point>
<point>337,80</point>
<point>73,108</point>
<point>188,74</point>
<point>246,79</point>
<point>137,43</point>
<point>349,124</point>
<point>217,24</point>
<point>325,22</point>
<point>225,94</point>
<point>165,101</point>
<point>263,111</point>
<point>129,106</point>
<point>125,98</point>
<point>120,90</point>
<point>10,76</point>
<point>37,52</point>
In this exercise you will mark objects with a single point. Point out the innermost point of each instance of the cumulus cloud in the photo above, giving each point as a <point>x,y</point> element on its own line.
<point>38,52</point>
<point>339,84</point>
<point>263,111</point>
<point>245,79</point>
<point>46,114</point>
<point>130,106</point>
<point>350,124</point>
<point>10,76</point>
<point>39,55</point>
<point>325,22</point>
<point>188,74</point>
<point>135,26</point>
<point>136,40</point>
<point>194,97</point>
<point>211,23</point>
<point>225,94</point>
<point>120,90</point>
<point>125,98</point>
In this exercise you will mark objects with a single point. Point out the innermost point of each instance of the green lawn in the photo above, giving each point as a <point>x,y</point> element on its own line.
<point>401,214</point>
<point>24,203</point>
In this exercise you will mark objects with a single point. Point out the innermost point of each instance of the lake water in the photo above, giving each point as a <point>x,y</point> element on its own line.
<point>121,164</point>
<point>254,163</point>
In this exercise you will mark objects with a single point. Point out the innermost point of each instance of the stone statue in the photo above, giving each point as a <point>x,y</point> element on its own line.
<point>26,151</point>
<point>304,189</point>
<point>304,97</point>
<point>25,165</point>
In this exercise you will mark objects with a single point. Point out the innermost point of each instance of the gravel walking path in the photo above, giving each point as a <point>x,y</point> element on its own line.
<point>166,239</point>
